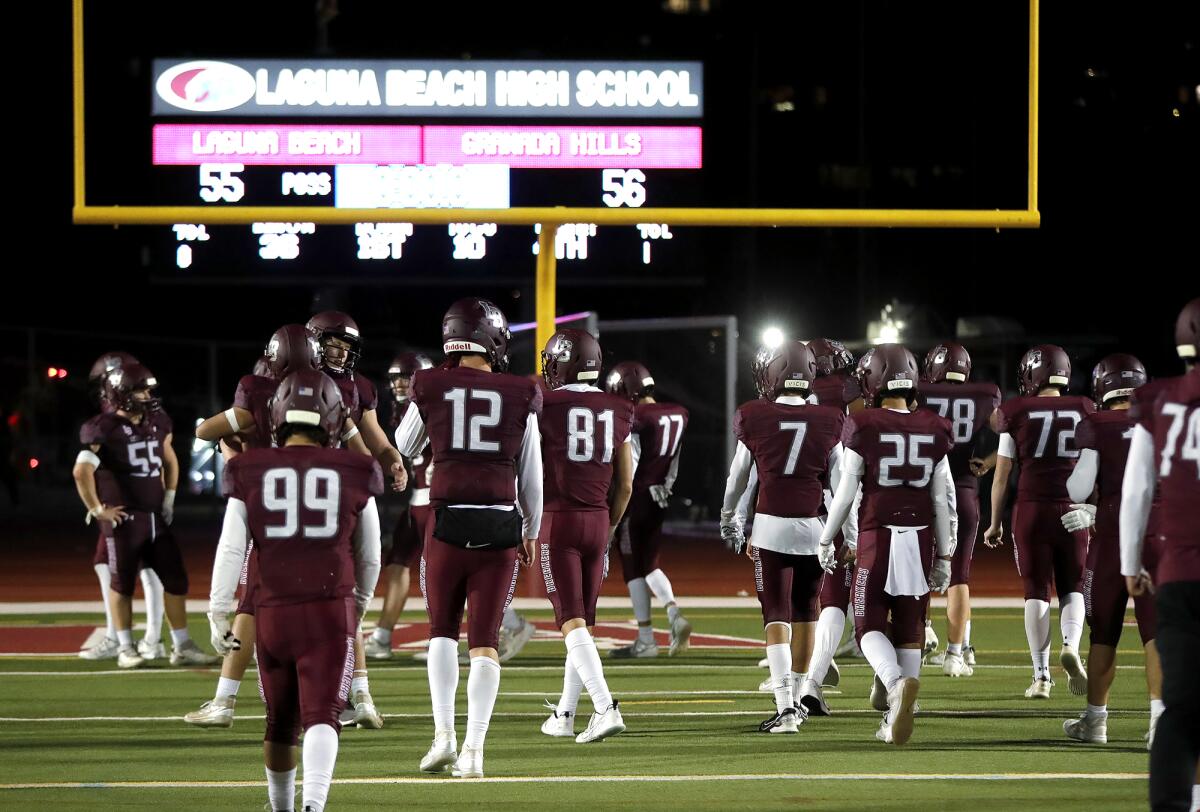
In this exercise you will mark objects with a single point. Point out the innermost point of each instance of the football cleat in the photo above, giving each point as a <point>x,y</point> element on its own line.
<point>190,654</point>
<point>833,676</point>
<point>365,715</point>
<point>151,649</point>
<point>442,753</point>
<point>213,713</point>
<point>1076,675</point>
<point>902,700</point>
<point>1088,729</point>
<point>602,725</point>
<point>511,643</point>
<point>969,655</point>
<point>637,649</point>
<point>129,658</point>
<point>937,658</point>
<point>559,725</point>
<point>376,650</point>
<point>767,686</point>
<point>349,715</point>
<point>469,764</point>
<point>106,649</point>
<point>763,663</point>
<point>879,695</point>
<point>953,665</point>
<point>681,633</point>
<point>1039,688</point>
<point>786,721</point>
<point>812,699</point>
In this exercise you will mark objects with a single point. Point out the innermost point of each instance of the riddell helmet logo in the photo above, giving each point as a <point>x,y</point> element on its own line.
<point>205,86</point>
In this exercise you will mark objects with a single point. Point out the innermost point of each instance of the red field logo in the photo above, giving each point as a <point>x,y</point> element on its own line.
<point>205,86</point>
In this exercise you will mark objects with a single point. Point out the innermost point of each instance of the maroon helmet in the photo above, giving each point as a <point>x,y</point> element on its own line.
<point>477,325</point>
<point>400,373</point>
<point>831,355</point>
<point>863,362</point>
<point>336,324</point>
<point>790,371</point>
<point>292,347</point>
<point>122,384</point>
<point>630,380</point>
<point>891,372</point>
<point>1116,377</point>
<point>262,367</point>
<point>308,397</point>
<point>948,361</point>
<point>571,356</point>
<point>1044,365</point>
<point>1187,332</point>
<point>759,366</point>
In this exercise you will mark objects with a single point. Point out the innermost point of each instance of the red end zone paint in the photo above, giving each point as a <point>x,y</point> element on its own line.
<point>43,639</point>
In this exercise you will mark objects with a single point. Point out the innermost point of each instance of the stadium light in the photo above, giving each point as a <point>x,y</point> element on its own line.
<point>772,337</point>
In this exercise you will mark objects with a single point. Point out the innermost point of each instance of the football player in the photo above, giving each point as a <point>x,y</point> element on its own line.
<point>122,474</point>
<point>1165,452</point>
<point>796,449</point>
<point>585,442</point>
<point>657,435</point>
<point>946,388</point>
<point>1103,442</point>
<point>899,458</point>
<point>311,511</point>
<point>409,533</point>
<point>481,426</point>
<point>150,647</point>
<point>1037,430</point>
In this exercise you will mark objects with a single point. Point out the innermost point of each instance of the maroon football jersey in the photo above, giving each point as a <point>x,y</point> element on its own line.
<point>838,389</point>
<point>420,463</point>
<point>1173,418</point>
<point>475,421</point>
<point>581,431</point>
<point>659,428</point>
<point>900,451</point>
<point>790,446</point>
<point>967,406</point>
<point>1108,434</point>
<point>254,394</point>
<point>302,506</point>
<point>130,471</point>
<point>1044,431</point>
<point>349,387</point>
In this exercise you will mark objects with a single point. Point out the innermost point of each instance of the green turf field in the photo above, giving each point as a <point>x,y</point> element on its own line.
<point>692,741</point>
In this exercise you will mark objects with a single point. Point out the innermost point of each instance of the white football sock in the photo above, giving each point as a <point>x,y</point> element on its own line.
<point>881,654</point>
<point>359,683</point>
<point>382,635</point>
<point>967,635</point>
<point>442,666</point>
<point>125,638</point>
<point>572,688</point>
<point>281,789</point>
<point>954,648</point>
<point>672,613</point>
<point>639,595</point>
<point>660,585</point>
<point>779,658</point>
<point>797,683</point>
<point>320,754</point>
<point>152,588</point>
<point>179,637</point>
<point>510,620</point>
<point>1071,614</point>
<point>582,654</point>
<point>105,576</point>
<point>228,688</point>
<point>483,684</point>
<point>909,660</point>
<point>1037,634</point>
<point>1097,711</point>
<point>830,625</point>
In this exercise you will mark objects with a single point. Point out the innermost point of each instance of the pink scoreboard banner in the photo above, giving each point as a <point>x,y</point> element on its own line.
<point>518,147</point>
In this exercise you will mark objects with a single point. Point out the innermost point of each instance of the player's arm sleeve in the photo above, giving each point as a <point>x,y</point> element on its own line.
<point>231,552</point>
<point>673,471</point>
<point>1008,446</point>
<point>366,555</point>
<point>843,499</point>
<point>411,437</point>
<point>1082,481</point>
<point>1137,492</point>
<point>744,511</point>
<point>943,502</point>
<point>850,526</point>
<point>635,443</point>
<point>529,477</point>
<point>737,485</point>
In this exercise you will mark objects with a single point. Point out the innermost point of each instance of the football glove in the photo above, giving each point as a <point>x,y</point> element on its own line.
<point>661,495</point>
<point>734,537</point>
<point>939,576</point>
<point>827,556</point>
<point>221,633</point>
<point>1081,518</point>
<point>168,506</point>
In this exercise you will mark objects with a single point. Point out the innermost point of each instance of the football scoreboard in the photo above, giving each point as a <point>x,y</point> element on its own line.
<point>380,134</point>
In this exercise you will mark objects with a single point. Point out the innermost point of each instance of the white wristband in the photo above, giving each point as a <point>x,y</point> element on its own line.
<point>231,416</point>
<point>350,435</point>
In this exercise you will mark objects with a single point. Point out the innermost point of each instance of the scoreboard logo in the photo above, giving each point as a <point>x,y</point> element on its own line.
<point>206,87</point>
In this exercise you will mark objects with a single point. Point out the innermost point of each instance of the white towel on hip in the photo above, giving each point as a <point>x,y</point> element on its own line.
<point>906,575</point>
